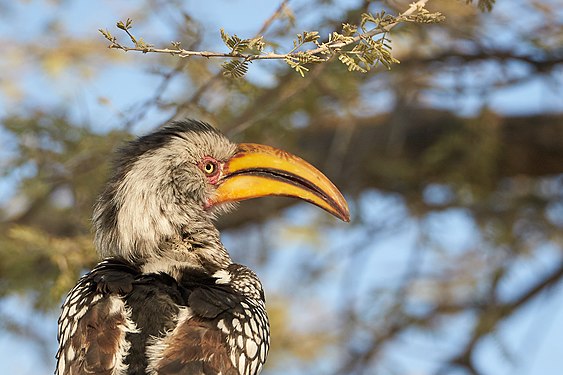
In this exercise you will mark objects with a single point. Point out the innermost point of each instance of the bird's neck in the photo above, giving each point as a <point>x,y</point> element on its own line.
<point>148,224</point>
<point>199,250</point>
<point>160,238</point>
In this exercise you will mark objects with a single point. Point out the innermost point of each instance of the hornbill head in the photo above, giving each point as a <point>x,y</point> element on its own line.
<point>167,187</point>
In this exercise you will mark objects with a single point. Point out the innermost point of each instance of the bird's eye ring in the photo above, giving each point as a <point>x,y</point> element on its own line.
<point>209,167</point>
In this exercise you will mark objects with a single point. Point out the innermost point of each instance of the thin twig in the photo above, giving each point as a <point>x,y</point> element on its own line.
<point>324,49</point>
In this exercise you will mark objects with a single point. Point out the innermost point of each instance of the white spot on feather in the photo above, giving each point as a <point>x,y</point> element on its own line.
<point>247,330</point>
<point>251,348</point>
<point>70,353</point>
<point>236,325</point>
<point>221,325</point>
<point>253,366</point>
<point>242,364</point>
<point>254,325</point>
<point>61,367</point>
<point>222,276</point>
<point>240,341</point>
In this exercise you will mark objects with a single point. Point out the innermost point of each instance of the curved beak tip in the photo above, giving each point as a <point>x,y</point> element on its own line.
<point>341,209</point>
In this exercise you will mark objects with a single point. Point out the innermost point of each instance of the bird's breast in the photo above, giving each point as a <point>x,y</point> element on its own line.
<point>218,328</point>
<point>118,320</point>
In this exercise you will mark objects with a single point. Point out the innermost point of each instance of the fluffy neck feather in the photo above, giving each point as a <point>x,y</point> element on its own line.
<point>143,216</point>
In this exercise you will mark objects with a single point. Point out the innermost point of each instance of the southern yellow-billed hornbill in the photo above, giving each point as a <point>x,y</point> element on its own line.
<point>167,299</point>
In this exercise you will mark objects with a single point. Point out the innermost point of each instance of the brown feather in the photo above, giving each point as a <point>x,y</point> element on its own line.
<point>196,348</point>
<point>98,339</point>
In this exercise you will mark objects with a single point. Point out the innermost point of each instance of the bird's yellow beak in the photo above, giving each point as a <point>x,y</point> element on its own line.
<point>258,171</point>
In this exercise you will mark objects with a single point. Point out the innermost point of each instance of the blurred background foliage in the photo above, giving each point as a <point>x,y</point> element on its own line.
<point>452,162</point>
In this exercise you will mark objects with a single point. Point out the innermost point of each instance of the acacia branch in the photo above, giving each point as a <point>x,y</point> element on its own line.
<point>244,51</point>
<point>413,8</point>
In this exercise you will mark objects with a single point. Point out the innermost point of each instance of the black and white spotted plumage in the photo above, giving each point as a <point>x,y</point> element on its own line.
<point>168,299</point>
<point>118,320</point>
<point>94,323</point>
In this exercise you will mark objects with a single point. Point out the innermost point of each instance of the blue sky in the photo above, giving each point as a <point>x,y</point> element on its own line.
<point>536,331</point>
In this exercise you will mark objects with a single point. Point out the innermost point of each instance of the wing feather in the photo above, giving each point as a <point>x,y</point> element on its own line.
<point>219,332</point>
<point>196,347</point>
<point>93,326</point>
<point>117,320</point>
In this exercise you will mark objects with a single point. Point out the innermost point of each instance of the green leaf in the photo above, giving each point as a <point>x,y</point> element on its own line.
<point>257,44</point>
<point>224,36</point>
<point>238,45</point>
<point>107,35</point>
<point>424,16</point>
<point>297,66</point>
<point>336,37</point>
<point>351,63</point>
<point>125,25</point>
<point>310,36</point>
<point>235,68</point>
<point>306,58</point>
<point>349,30</point>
